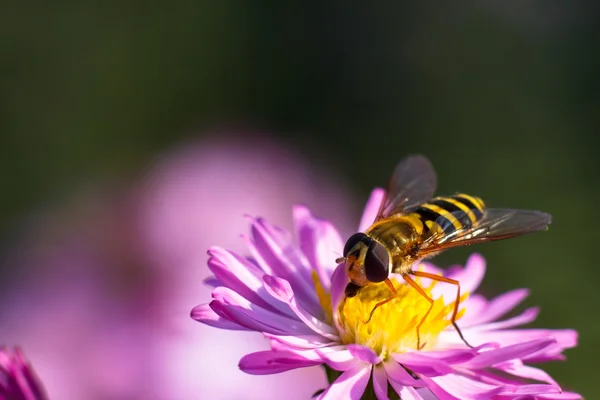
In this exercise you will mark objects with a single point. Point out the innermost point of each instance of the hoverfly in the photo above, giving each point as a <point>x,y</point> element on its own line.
<point>412,225</point>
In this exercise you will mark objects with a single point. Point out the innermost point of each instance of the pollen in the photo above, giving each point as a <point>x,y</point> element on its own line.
<point>393,326</point>
<point>324,298</point>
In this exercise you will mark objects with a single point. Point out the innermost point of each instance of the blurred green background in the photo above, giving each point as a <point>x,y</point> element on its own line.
<point>503,96</point>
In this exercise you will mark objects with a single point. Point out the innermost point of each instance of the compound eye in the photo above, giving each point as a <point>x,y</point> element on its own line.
<point>377,263</point>
<point>352,241</point>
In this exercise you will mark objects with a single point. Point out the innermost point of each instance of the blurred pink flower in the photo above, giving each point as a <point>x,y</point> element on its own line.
<point>17,379</point>
<point>102,284</point>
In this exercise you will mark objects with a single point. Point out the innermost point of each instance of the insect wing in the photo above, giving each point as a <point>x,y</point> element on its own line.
<point>413,182</point>
<point>495,224</point>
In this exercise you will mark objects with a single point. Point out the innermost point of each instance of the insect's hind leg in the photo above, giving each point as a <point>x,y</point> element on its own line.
<point>419,289</point>
<point>440,278</point>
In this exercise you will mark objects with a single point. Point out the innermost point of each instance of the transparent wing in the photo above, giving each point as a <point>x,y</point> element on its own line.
<point>495,224</point>
<point>413,182</point>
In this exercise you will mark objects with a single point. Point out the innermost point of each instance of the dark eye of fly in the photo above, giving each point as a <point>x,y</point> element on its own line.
<point>352,241</point>
<point>377,263</point>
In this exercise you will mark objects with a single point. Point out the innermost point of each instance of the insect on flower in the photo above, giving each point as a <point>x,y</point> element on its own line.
<point>412,225</point>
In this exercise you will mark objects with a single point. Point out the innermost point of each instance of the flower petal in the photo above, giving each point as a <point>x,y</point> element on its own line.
<point>239,274</point>
<point>533,389</point>
<point>461,387</point>
<point>560,396</point>
<point>273,362</point>
<point>320,242</point>
<point>212,282</point>
<point>203,313</point>
<point>363,354</point>
<point>339,280</point>
<point>280,289</point>
<point>397,373</point>
<point>371,209</point>
<point>565,338</point>
<point>380,382</point>
<point>275,252</point>
<point>517,368</point>
<point>406,392</point>
<point>350,385</point>
<point>525,317</point>
<point>475,305</point>
<point>471,275</point>
<point>502,354</point>
<point>338,358</point>
<point>301,341</point>
<point>500,306</point>
<point>230,305</point>
<point>434,363</point>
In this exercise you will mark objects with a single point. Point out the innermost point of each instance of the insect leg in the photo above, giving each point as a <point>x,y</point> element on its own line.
<point>440,278</point>
<point>419,289</point>
<point>394,293</point>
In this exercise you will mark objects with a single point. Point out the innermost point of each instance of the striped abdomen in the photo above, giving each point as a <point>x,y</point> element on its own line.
<point>449,213</point>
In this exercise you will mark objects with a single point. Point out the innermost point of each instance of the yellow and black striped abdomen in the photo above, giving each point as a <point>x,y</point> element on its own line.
<point>450,213</point>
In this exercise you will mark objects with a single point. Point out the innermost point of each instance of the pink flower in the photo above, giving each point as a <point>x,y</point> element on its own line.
<point>17,379</point>
<point>293,292</point>
<point>106,279</point>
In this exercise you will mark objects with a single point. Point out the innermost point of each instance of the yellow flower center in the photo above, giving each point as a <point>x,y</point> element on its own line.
<point>393,326</point>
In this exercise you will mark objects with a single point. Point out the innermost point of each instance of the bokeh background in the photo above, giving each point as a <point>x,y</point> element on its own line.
<point>134,136</point>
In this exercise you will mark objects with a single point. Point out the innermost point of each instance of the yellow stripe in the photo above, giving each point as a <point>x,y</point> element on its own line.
<point>433,226</point>
<point>460,205</point>
<point>443,213</point>
<point>477,202</point>
<point>415,223</point>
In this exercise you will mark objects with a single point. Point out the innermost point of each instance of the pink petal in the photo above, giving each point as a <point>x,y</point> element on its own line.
<point>339,280</point>
<point>380,382</point>
<point>280,289</point>
<point>239,274</point>
<point>533,389</point>
<point>427,394</point>
<point>516,367</point>
<point>276,253</point>
<point>338,358</point>
<point>525,317</point>
<point>406,392</point>
<point>212,282</point>
<point>371,209</point>
<point>425,365</point>
<point>560,396</point>
<point>203,313</point>
<point>503,354</point>
<point>471,275</point>
<point>500,306</point>
<point>350,385</point>
<point>363,354</point>
<point>461,387</point>
<point>320,242</point>
<point>565,338</point>
<point>436,362</point>
<point>475,305</point>
<point>230,305</point>
<point>301,341</point>
<point>398,374</point>
<point>273,362</point>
